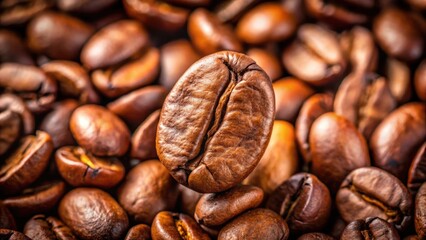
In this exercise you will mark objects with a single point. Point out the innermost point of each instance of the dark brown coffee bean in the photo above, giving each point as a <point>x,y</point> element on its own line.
<point>252,225</point>
<point>139,232</point>
<point>215,209</point>
<point>312,108</point>
<point>109,45</point>
<point>73,80</point>
<point>228,11</point>
<point>398,34</point>
<point>365,100</point>
<point>157,14</point>
<point>81,169</point>
<point>84,6</point>
<point>188,200</point>
<point>267,22</point>
<point>399,79</point>
<point>10,129</point>
<point>209,35</point>
<point>136,106</point>
<point>26,163</point>
<point>280,160</point>
<point>16,12</point>
<point>40,199</point>
<point>30,83</point>
<point>57,36</point>
<point>267,61</point>
<point>47,228</point>
<point>118,80</point>
<point>168,225</point>
<point>315,236</point>
<point>420,212</point>
<point>372,192</point>
<point>13,49</point>
<point>221,148</point>
<point>316,56</point>
<point>417,171</point>
<point>370,228</point>
<point>147,190</point>
<point>420,81</point>
<point>405,126</point>
<point>8,234</point>
<point>93,214</point>
<point>176,57</point>
<point>143,139</point>
<point>334,15</point>
<point>99,131</point>
<point>6,218</point>
<point>337,148</point>
<point>360,49</point>
<point>290,93</point>
<point>303,201</point>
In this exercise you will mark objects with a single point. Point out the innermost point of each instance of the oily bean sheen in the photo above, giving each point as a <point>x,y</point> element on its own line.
<point>47,228</point>
<point>337,148</point>
<point>420,212</point>
<point>214,209</point>
<point>99,131</point>
<point>399,79</point>
<point>372,192</point>
<point>370,228</point>
<point>93,214</point>
<point>256,224</point>
<point>229,103</point>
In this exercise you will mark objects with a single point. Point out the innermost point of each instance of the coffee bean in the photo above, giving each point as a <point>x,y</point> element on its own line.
<point>315,236</point>
<point>188,200</point>
<point>231,10</point>
<point>84,6</point>
<point>8,234</point>
<point>267,61</point>
<point>47,228</point>
<point>143,139</point>
<point>420,81</point>
<point>139,232</point>
<point>203,157</point>
<point>13,49</point>
<point>12,103</point>
<point>399,79</point>
<point>420,212</point>
<point>6,218</point>
<point>373,227</point>
<point>417,171</point>
<point>19,12</point>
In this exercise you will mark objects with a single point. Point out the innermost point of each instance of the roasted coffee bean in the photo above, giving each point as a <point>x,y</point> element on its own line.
<point>143,139</point>
<point>360,49</point>
<point>420,212</point>
<point>417,171</point>
<point>277,24</point>
<point>157,14</point>
<point>370,228</point>
<point>30,83</point>
<point>93,214</point>
<point>26,163</point>
<point>267,61</point>
<point>8,234</point>
<point>223,146</point>
<point>303,201</point>
<point>47,228</point>
<point>372,192</point>
<point>84,6</point>
<point>81,169</point>
<point>58,36</point>
<point>420,81</point>
<point>73,80</point>
<point>13,49</point>
<point>365,100</point>
<point>136,106</point>
<point>16,12</point>
<point>290,93</point>
<point>168,225</point>
<point>109,45</point>
<point>398,34</point>
<point>176,57</point>
<point>312,108</point>
<point>147,190</point>
<point>188,200</point>
<point>280,160</point>
<point>215,209</point>
<point>405,126</point>
<point>315,56</point>
<point>399,79</point>
<point>252,225</point>
<point>6,218</point>
<point>337,148</point>
<point>99,131</point>
<point>14,104</point>
<point>209,35</point>
<point>228,11</point>
<point>40,199</point>
<point>315,236</point>
<point>116,81</point>
<point>139,232</point>
<point>10,129</point>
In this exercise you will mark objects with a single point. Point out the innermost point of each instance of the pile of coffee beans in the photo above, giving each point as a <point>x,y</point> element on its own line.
<point>207,119</point>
